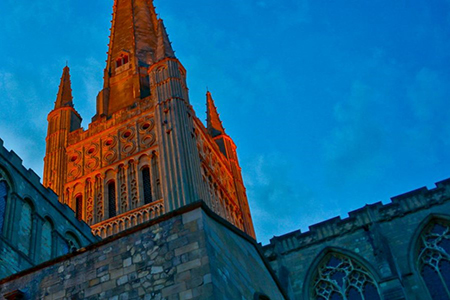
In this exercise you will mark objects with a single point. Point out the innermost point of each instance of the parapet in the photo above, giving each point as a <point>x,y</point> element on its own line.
<point>103,123</point>
<point>399,206</point>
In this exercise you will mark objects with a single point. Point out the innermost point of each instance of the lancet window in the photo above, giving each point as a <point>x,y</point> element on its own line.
<point>46,241</point>
<point>434,259</point>
<point>25,228</point>
<point>79,207</point>
<point>147,185</point>
<point>342,278</point>
<point>112,199</point>
<point>3,199</point>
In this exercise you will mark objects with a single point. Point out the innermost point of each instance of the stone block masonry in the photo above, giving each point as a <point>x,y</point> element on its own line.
<point>34,226</point>
<point>187,254</point>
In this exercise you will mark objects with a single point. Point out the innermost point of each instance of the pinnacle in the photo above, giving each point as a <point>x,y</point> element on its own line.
<point>64,97</point>
<point>164,46</point>
<point>214,124</point>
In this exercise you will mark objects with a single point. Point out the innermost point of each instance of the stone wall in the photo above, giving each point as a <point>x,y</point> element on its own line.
<point>35,226</point>
<point>383,238</point>
<point>187,254</point>
<point>237,269</point>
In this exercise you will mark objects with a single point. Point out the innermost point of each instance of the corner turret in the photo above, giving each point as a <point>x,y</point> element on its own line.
<point>62,120</point>
<point>228,148</point>
<point>164,46</point>
<point>213,122</point>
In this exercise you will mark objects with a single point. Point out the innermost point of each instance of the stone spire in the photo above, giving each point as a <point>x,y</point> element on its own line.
<point>138,40</point>
<point>214,124</point>
<point>64,97</point>
<point>133,32</point>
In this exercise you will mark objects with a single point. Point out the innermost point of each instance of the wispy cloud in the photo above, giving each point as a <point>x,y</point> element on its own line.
<point>280,201</point>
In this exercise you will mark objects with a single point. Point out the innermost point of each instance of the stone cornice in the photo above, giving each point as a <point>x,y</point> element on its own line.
<point>401,205</point>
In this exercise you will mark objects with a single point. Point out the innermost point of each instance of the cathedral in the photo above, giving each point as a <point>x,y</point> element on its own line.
<point>149,203</point>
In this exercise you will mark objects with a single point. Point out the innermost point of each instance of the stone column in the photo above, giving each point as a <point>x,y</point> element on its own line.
<point>36,232</point>
<point>11,217</point>
<point>179,157</point>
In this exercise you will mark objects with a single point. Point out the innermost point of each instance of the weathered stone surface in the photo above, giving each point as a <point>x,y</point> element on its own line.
<point>382,238</point>
<point>154,274</point>
<point>36,226</point>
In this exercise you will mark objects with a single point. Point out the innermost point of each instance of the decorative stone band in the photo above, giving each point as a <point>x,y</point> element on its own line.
<point>129,219</point>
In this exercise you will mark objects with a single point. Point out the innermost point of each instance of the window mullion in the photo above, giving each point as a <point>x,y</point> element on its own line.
<point>443,282</point>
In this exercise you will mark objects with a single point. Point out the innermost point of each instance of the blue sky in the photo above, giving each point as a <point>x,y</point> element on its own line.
<point>332,104</point>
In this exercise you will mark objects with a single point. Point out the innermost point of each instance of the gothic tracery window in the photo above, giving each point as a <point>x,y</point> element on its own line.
<point>342,278</point>
<point>434,259</point>
<point>3,196</point>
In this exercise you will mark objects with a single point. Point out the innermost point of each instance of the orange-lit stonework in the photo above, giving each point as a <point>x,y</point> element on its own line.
<point>145,152</point>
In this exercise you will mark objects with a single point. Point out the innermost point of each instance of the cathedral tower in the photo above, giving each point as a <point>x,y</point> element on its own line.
<point>145,152</point>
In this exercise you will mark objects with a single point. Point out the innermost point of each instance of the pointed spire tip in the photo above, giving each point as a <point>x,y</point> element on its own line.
<point>64,96</point>
<point>214,124</point>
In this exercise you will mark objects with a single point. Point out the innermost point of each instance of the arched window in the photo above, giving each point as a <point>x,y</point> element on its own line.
<point>46,241</point>
<point>79,207</point>
<point>434,259</point>
<point>69,244</point>
<point>147,185</point>
<point>121,60</point>
<point>341,278</point>
<point>25,228</point>
<point>112,199</point>
<point>259,296</point>
<point>3,196</point>
<point>72,242</point>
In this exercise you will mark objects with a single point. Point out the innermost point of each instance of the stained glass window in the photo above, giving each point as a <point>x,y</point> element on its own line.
<point>434,260</point>
<point>3,195</point>
<point>112,199</point>
<point>342,278</point>
<point>147,185</point>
